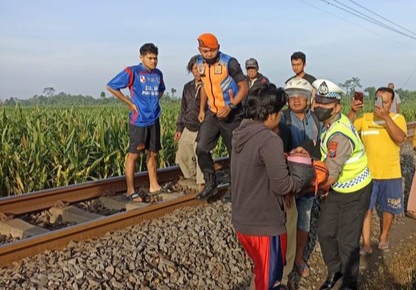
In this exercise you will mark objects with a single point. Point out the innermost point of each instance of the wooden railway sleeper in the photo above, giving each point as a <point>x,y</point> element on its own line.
<point>5,216</point>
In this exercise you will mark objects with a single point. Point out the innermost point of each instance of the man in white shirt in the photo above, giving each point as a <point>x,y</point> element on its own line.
<point>395,106</point>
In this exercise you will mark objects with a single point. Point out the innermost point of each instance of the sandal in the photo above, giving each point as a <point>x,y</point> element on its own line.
<point>383,246</point>
<point>166,188</point>
<point>139,197</point>
<point>364,252</point>
<point>303,270</point>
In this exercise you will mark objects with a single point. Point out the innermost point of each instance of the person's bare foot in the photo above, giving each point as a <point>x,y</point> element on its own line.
<point>411,214</point>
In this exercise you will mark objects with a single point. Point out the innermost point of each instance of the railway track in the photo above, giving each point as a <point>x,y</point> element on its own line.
<point>411,130</point>
<point>88,225</point>
<point>61,202</point>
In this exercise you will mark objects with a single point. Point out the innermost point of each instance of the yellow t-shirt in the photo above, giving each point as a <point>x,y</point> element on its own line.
<point>383,154</point>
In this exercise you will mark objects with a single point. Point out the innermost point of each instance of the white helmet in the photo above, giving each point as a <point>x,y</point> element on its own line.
<point>299,87</point>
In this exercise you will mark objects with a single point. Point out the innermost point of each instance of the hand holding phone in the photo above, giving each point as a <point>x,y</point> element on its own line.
<point>379,102</point>
<point>359,96</point>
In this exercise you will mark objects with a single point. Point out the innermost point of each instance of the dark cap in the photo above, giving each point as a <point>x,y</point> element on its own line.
<point>251,62</point>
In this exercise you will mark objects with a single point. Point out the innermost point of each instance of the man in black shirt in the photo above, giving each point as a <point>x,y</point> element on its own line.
<point>253,77</point>
<point>298,60</point>
<point>187,126</point>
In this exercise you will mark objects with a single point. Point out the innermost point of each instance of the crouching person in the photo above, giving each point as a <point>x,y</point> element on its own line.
<point>260,179</point>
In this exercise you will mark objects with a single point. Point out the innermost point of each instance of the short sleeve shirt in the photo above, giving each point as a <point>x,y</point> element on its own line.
<point>383,153</point>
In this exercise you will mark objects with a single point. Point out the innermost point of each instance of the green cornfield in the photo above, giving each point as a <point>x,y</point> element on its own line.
<point>46,147</point>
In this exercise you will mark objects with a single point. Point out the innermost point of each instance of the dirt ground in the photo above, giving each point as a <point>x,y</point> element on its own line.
<point>394,268</point>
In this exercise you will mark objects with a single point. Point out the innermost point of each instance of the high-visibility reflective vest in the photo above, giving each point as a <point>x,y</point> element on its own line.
<point>220,87</point>
<point>355,173</point>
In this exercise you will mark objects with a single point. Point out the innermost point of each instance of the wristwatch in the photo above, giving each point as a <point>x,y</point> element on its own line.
<point>232,106</point>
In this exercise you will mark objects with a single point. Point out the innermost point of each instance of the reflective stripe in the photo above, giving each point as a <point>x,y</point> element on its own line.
<point>226,83</point>
<point>355,181</point>
<point>370,132</point>
<point>355,158</point>
<point>382,122</point>
<point>355,173</point>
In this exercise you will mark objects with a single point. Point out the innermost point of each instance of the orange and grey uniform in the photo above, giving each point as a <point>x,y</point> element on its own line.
<point>220,80</point>
<point>218,83</point>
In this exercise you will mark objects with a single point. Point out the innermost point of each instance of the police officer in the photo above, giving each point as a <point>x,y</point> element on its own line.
<point>348,188</point>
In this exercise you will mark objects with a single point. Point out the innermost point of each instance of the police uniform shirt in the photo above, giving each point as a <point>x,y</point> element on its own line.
<point>339,150</point>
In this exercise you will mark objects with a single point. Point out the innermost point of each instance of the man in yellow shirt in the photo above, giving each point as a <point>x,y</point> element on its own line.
<point>382,132</point>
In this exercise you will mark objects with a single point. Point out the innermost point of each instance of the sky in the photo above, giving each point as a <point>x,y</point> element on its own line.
<point>77,46</point>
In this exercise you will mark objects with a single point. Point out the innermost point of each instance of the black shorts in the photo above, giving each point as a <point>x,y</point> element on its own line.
<point>144,138</point>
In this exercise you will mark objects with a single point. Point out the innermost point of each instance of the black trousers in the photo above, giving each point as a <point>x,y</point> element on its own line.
<point>209,132</point>
<point>339,230</point>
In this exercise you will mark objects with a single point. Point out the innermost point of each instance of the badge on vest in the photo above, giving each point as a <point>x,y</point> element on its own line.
<point>218,69</point>
<point>332,149</point>
<point>201,70</point>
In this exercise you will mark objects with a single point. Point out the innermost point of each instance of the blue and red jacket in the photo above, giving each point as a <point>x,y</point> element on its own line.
<point>144,86</point>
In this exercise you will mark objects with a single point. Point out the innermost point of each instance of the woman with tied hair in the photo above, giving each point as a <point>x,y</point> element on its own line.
<point>260,179</point>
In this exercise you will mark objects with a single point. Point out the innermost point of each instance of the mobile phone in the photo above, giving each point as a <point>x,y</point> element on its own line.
<point>379,102</point>
<point>359,96</point>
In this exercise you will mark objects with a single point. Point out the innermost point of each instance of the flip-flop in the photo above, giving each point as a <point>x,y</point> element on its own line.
<point>163,189</point>
<point>303,270</point>
<point>383,246</point>
<point>364,252</point>
<point>139,197</point>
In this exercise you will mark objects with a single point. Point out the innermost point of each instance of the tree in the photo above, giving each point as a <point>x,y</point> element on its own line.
<point>173,91</point>
<point>350,85</point>
<point>371,91</point>
<point>102,95</point>
<point>49,91</point>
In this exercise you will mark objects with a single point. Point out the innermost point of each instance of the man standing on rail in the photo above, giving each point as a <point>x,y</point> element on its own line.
<point>382,132</point>
<point>224,87</point>
<point>146,86</point>
<point>188,124</point>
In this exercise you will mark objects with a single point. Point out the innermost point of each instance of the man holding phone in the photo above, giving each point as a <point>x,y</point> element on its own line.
<point>387,128</point>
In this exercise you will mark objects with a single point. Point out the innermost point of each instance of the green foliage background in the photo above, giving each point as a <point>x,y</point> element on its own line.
<point>49,146</point>
<point>44,147</point>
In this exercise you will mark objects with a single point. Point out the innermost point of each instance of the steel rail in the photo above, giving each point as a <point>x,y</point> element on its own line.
<point>411,128</point>
<point>59,239</point>
<point>45,199</point>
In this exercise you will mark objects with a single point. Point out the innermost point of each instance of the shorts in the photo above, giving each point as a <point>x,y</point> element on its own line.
<point>269,257</point>
<point>304,205</point>
<point>144,138</point>
<point>389,194</point>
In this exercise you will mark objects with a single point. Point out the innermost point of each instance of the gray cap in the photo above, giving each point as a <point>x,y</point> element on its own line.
<point>251,62</point>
